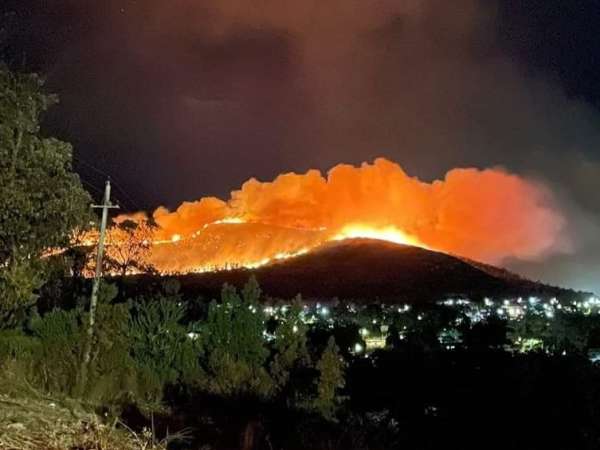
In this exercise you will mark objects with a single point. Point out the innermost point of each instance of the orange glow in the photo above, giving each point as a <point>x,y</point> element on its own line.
<point>390,234</point>
<point>487,215</point>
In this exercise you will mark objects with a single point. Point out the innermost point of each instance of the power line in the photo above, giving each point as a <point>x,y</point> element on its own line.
<point>130,200</point>
<point>126,194</point>
<point>99,191</point>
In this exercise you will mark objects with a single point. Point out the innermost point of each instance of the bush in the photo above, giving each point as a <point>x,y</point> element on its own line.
<point>234,347</point>
<point>59,333</point>
<point>163,349</point>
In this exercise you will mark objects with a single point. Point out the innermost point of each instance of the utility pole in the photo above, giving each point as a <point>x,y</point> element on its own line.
<point>105,206</point>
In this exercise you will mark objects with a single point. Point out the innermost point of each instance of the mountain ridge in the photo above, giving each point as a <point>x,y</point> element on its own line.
<point>367,270</point>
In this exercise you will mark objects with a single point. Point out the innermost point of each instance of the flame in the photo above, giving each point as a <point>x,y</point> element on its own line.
<point>390,234</point>
<point>487,215</point>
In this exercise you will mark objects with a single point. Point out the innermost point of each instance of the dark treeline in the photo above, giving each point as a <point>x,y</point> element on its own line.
<point>237,377</point>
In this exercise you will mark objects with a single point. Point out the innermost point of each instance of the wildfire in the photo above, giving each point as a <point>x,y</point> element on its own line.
<point>390,234</point>
<point>487,215</point>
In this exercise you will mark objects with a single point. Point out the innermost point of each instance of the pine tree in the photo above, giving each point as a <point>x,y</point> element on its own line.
<point>233,341</point>
<point>331,368</point>
<point>290,345</point>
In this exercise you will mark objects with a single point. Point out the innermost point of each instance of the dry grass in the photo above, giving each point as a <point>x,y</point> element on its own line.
<point>42,425</point>
<point>31,421</point>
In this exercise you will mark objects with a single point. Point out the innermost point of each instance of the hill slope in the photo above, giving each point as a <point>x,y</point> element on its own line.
<point>370,270</point>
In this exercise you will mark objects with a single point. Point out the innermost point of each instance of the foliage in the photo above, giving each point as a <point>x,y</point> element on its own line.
<point>290,346</point>
<point>20,279</point>
<point>16,345</point>
<point>488,334</point>
<point>233,343</point>
<point>59,333</point>
<point>41,199</point>
<point>564,332</point>
<point>331,379</point>
<point>129,246</point>
<point>164,350</point>
<point>112,377</point>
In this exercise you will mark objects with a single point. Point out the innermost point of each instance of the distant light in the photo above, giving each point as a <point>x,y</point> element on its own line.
<point>324,311</point>
<point>358,348</point>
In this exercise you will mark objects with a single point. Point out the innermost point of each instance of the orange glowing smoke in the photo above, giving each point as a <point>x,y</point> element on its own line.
<point>488,215</point>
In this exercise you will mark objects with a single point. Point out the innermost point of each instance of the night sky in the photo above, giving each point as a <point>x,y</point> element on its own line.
<point>180,99</point>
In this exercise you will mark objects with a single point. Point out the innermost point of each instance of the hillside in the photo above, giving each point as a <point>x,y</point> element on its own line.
<point>370,270</point>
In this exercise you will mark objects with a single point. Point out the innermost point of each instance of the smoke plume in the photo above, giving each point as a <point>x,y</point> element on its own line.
<point>488,215</point>
<point>198,95</point>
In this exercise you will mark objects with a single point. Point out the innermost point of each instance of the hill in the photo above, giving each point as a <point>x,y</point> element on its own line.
<point>365,270</point>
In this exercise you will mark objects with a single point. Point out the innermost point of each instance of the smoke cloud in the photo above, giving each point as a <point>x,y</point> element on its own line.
<point>199,95</point>
<point>488,215</point>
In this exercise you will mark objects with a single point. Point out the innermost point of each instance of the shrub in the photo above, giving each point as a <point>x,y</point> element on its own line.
<point>234,347</point>
<point>58,355</point>
<point>162,348</point>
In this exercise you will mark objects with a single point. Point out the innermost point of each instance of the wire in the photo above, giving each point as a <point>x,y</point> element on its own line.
<point>131,202</point>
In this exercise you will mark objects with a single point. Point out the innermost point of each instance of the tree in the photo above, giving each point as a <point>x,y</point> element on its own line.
<point>161,345</point>
<point>232,338</point>
<point>490,334</point>
<point>19,281</point>
<point>290,345</point>
<point>331,379</point>
<point>129,246</point>
<point>41,200</point>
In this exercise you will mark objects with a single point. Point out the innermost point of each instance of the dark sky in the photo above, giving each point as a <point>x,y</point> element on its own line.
<point>180,99</point>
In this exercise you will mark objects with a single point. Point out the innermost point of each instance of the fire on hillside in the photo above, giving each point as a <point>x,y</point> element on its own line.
<point>488,215</point>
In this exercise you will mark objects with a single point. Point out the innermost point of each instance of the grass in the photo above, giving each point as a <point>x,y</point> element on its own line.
<point>29,420</point>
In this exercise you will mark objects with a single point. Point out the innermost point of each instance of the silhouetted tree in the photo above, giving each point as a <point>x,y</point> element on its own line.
<point>129,247</point>
<point>331,379</point>
<point>41,199</point>
<point>233,342</point>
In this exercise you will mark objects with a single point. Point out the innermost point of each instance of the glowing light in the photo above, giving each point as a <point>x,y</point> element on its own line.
<point>176,238</point>
<point>228,220</point>
<point>390,234</point>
